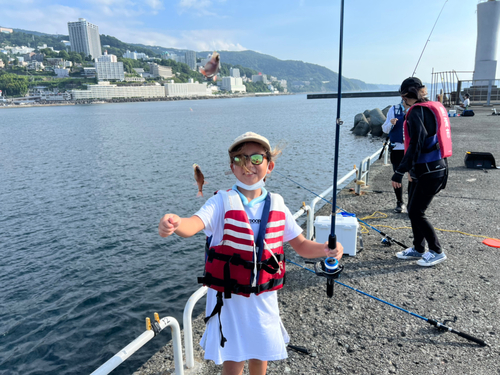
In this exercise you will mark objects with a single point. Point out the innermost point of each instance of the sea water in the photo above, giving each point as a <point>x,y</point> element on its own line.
<point>82,189</point>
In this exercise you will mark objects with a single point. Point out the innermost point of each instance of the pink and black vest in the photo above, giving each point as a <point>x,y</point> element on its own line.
<point>437,146</point>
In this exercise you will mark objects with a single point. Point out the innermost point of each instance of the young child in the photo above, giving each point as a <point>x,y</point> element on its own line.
<point>245,265</point>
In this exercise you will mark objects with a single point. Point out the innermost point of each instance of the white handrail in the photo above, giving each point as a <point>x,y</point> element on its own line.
<point>310,213</point>
<point>188,326</point>
<point>362,174</point>
<point>140,341</point>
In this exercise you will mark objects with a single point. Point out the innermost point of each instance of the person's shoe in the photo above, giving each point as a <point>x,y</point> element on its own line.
<point>400,208</point>
<point>409,253</point>
<point>431,258</point>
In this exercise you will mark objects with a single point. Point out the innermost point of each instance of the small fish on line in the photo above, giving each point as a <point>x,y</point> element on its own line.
<point>211,67</point>
<point>199,178</point>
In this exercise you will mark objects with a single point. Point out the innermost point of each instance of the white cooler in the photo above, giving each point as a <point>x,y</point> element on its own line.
<point>346,229</point>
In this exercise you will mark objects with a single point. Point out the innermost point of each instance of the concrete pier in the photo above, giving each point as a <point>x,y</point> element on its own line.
<point>354,334</point>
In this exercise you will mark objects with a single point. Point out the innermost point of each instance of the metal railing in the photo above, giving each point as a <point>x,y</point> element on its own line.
<point>362,174</point>
<point>140,341</point>
<point>445,86</point>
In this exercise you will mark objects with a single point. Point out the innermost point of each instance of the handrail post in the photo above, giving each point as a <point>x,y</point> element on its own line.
<point>188,326</point>
<point>386,154</point>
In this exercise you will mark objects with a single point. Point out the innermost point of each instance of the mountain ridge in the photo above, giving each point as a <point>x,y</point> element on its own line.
<point>300,76</point>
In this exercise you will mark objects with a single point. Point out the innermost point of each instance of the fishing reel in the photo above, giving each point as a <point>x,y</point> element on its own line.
<point>329,268</point>
<point>386,242</point>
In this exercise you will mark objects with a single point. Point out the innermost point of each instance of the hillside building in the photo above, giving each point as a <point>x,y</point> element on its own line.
<point>84,37</point>
<point>135,55</point>
<point>61,72</point>
<point>259,78</point>
<point>107,58</point>
<point>160,71</point>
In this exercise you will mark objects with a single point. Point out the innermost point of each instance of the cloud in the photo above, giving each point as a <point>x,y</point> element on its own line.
<point>192,40</point>
<point>52,19</point>
<point>199,7</point>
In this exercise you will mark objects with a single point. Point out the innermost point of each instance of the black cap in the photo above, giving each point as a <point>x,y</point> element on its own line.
<point>410,87</point>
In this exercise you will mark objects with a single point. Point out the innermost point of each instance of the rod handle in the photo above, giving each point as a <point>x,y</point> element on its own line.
<point>332,241</point>
<point>470,338</point>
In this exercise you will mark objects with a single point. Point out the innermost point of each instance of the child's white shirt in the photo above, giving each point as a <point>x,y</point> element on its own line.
<point>251,325</point>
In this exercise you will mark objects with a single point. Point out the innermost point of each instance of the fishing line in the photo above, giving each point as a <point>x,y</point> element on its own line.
<point>429,38</point>
<point>387,240</point>
<point>433,322</point>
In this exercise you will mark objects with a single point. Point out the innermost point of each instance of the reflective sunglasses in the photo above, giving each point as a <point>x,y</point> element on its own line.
<point>255,159</point>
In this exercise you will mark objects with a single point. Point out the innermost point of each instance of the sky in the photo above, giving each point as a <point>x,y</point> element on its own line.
<point>382,40</point>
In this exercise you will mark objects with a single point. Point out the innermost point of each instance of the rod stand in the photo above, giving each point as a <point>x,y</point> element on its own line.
<point>331,269</point>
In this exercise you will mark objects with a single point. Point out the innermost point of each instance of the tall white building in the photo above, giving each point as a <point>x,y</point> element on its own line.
<point>233,84</point>
<point>191,59</point>
<point>84,37</point>
<point>234,72</point>
<point>108,68</point>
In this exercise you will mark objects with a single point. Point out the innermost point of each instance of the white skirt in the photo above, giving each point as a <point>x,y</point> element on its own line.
<point>251,325</point>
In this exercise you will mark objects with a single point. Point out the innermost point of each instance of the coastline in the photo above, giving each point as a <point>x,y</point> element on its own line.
<point>352,333</point>
<point>140,100</point>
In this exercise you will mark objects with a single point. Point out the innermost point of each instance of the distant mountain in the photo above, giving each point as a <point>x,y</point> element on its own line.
<point>300,76</point>
<point>40,34</point>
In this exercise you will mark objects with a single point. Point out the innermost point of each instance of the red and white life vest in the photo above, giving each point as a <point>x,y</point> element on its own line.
<point>237,264</point>
<point>438,146</point>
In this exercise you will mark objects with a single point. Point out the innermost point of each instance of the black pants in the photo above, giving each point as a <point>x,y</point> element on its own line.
<point>422,191</point>
<point>396,157</point>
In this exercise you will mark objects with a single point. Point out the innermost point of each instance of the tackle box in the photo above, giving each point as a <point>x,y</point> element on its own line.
<point>346,229</point>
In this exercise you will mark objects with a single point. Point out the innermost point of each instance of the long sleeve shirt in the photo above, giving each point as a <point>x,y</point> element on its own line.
<point>387,127</point>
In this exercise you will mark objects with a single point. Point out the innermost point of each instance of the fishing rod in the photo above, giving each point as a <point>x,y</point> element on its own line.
<point>387,240</point>
<point>330,267</point>
<point>383,147</point>
<point>435,323</point>
<point>429,38</point>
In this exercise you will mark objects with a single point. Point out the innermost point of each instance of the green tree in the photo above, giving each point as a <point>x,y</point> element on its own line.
<point>64,55</point>
<point>75,57</point>
<point>13,84</point>
<point>48,52</point>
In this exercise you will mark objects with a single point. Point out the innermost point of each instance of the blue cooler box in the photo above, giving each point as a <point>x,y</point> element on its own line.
<point>346,229</point>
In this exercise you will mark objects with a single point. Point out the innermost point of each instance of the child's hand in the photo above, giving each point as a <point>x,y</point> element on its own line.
<point>168,224</point>
<point>335,253</point>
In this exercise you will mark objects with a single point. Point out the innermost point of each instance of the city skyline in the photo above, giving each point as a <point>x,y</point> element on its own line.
<point>382,40</point>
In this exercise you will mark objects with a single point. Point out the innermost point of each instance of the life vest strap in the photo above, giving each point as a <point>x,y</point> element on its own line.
<point>261,287</point>
<point>269,265</point>
<point>232,285</point>
<point>217,310</point>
